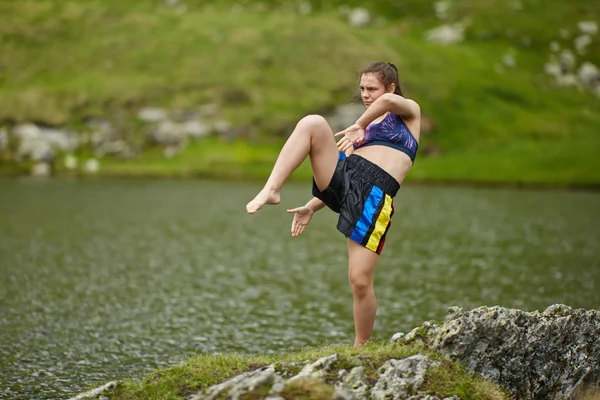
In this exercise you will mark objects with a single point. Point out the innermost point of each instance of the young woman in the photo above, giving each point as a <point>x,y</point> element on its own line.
<point>356,177</point>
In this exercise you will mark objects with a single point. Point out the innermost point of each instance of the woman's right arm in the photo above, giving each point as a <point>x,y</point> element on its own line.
<point>303,215</point>
<point>315,204</point>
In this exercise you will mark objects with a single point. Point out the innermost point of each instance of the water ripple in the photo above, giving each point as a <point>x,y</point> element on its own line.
<point>104,280</point>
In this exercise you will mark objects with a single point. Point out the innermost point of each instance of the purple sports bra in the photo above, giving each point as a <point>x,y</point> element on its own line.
<point>391,132</point>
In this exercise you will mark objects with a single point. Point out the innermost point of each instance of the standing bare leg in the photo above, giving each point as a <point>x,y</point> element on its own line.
<point>312,136</point>
<point>361,271</point>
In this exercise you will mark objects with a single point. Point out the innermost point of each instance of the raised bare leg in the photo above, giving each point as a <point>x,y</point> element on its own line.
<point>312,136</point>
<point>361,271</point>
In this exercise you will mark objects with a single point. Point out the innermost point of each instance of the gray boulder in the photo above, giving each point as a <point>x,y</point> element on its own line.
<point>238,386</point>
<point>33,144</point>
<point>152,114</point>
<point>554,354</point>
<point>446,34</point>
<point>95,393</point>
<point>359,17</point>
<point>345,115</point>
<point>400,378</point>
<point>3,139</point>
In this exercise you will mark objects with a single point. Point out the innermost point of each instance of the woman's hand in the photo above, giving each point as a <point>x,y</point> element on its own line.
<point>353,135</point>
<point>302,216</point>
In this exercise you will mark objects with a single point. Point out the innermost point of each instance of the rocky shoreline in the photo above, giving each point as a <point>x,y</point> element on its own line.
<point>553,354</point>
<point>48,149</point>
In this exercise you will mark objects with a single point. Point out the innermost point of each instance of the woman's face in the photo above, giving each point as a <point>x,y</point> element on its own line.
<point>371,88</point>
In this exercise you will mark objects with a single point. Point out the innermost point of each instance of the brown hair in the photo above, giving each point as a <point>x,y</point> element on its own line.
<point>387,73</point>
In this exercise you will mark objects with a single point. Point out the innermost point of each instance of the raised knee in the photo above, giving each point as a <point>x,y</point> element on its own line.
<point>314,121</point>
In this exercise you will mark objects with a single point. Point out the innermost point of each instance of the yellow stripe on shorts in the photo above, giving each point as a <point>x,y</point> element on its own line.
<point>382,222</point>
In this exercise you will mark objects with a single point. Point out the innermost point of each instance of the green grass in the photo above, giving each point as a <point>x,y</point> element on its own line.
<point>254,63</point>
<point>307,389</point>
<point>204,370</point>
<point>265,66</point>
<point>455,380</point>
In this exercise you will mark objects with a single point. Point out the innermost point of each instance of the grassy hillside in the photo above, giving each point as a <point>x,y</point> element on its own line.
<point>266,65</point>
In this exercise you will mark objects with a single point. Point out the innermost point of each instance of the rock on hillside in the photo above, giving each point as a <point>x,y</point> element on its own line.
<point>395,379</point>
<point>554,354</point>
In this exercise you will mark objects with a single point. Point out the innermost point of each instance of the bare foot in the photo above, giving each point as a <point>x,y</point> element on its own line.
<point>265,196</point>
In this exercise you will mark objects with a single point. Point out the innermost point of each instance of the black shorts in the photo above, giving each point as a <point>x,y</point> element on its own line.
<point>361,192</point>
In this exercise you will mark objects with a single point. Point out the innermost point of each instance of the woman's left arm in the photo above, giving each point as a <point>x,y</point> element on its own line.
<point>388,102</point>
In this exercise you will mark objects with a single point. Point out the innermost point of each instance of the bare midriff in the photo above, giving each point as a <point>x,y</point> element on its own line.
<point>392,161</point>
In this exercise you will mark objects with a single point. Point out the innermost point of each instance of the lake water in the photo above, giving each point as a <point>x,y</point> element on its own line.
<point>103,280</point>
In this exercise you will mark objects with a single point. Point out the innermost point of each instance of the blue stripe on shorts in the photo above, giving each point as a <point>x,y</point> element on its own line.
<point>370,208</point>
